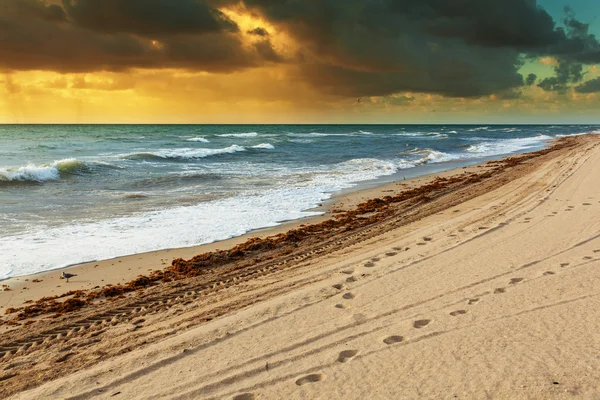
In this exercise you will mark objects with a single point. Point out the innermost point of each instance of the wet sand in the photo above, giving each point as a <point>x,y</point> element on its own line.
<point>483,284</point>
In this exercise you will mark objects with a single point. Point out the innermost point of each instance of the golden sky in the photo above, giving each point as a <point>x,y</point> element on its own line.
<point>88,61</point>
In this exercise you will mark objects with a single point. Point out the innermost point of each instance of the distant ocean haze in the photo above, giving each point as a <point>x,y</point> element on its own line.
<point>76,193</point>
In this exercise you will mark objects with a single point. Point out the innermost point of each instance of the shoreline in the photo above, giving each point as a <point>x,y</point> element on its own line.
<point>91,274</point>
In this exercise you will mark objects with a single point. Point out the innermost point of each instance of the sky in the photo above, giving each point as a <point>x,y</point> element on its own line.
<point>299,61</point>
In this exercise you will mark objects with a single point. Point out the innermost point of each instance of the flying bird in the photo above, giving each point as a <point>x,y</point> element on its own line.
<point>67,276</point>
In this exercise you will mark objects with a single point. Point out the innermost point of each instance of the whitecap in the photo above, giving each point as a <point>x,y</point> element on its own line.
<point>267,146</point>
<point>198,139</point>
<point>41,173</point>
<point>240,135</point>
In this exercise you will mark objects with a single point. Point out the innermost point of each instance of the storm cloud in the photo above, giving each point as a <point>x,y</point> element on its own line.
<point>111,35</point>
<point>357,48</point>
<point>148,17</point>
<point>591,86</point>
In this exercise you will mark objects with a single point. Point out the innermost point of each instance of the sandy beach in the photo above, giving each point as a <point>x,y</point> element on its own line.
<point>476,283</point>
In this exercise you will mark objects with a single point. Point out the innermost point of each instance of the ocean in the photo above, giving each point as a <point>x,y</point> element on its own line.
<point>77,193</point>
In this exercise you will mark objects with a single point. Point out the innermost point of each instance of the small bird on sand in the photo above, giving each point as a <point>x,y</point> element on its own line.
<point>68,276</point>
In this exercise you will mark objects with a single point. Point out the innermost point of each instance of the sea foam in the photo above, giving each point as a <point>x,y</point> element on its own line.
<point>43,172</point>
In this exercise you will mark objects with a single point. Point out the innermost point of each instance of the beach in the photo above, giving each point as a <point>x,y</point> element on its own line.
<point>475,282</point>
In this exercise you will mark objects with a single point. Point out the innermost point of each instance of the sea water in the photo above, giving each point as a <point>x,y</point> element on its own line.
<point>76,193</point>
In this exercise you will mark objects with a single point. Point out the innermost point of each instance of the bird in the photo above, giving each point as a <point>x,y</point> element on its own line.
<point>68,276</point>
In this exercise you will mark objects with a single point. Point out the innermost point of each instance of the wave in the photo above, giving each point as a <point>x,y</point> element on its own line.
<point>40,147</point>
<point>44,172</point>
<point>321,134</point>
<point>267,146</point>
<point>480,128</point>
<point>424,135</point>
<point>420,156</point>
<point>198,139</point>
<point>506,146</point>
<point>182,154</point>
<point>240,135</point>
<point>594,132</point>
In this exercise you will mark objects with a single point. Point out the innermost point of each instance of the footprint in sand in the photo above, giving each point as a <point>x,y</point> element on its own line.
<point>458,312</point>
<point>340,306</point>
<point>391,254</point>
<point>375,259</point>
<point>564,265</point>
<point>352,279</point>
<point>340,286</point>
<point>313,378</point>
<point>369,265</point>
<point>514,281</point>
<point>393,339</point>
<point>499,291</point>
<point>348,271</point>
<point>346,356</point>
<point>245,396</point>
<point>360,318</point>
<point>548,273</point>
<point>427,239</point>
<point>421,244</point>
<point>587,204</point>
<point>473,301</point>
<point>597,251</point>
<point>397,248</point>
<point>349,296</point>
<point>588,258</point>
<point>421,323</point>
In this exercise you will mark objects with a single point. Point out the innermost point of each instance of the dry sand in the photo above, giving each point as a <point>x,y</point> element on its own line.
<point>489,289</point>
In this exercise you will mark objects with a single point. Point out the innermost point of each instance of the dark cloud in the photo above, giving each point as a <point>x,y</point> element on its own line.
<point>34,36</point>
<point>259,32</point>
<point>592,86</point>
<point>463,48</point>
<point>567,73</point>
<point>530,80</point>
<point>37,9</point>
<point>148,17</point>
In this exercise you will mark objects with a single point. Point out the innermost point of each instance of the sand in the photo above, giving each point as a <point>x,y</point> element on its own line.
<point>485,290</point>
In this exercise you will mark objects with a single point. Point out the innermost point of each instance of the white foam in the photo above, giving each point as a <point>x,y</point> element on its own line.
<point>267,146</point>
<point>435,156</point>
<point>480,128</point>
<point>595,132</point>
<point>506,146</point>
<point>55,247</point>
<point>185,153</point>
<point>240,135</point>
<point>423,135</point>
<point>40,173</point>
<point>198,139</point>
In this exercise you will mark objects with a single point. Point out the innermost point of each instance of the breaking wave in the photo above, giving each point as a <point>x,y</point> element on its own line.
<point>43,172</point>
